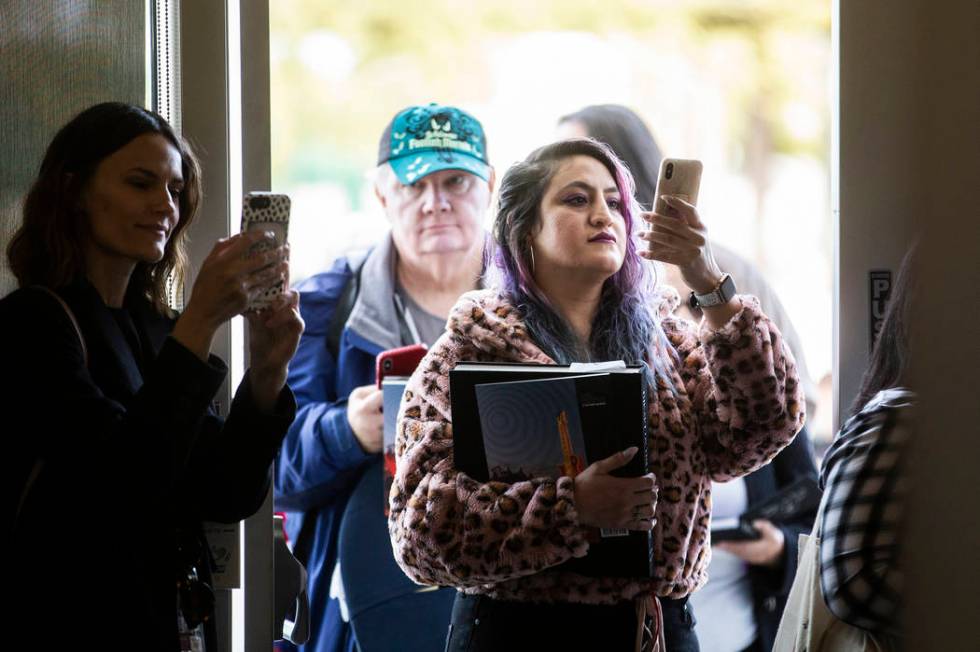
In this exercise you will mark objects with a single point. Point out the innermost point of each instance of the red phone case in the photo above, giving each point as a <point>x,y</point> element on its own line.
<point>398,362</point>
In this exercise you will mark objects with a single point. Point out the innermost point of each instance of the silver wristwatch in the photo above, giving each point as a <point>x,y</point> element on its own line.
<point>720,295</point>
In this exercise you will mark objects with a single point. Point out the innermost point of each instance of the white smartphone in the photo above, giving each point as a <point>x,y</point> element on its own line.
<point>679,177</point>
<point>266,211</point>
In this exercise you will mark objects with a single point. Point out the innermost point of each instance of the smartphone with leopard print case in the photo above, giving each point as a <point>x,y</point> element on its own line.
<point>266,211</point>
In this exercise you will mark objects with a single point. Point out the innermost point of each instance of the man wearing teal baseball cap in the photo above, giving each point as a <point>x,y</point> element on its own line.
<point>434,182</point>
<point>421,140</point>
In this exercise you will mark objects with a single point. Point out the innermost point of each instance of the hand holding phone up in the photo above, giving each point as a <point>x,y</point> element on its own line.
<point>677,235</point>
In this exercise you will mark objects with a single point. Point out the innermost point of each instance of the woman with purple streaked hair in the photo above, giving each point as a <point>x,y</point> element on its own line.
<point>570,285</point>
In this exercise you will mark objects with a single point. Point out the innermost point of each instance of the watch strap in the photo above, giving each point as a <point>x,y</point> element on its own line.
<point>722,294</point>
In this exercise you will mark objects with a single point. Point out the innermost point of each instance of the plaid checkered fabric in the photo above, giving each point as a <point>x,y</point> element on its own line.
<point>864,487</point>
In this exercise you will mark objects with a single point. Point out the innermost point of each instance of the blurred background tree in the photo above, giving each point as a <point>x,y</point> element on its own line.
<point>742,85</point>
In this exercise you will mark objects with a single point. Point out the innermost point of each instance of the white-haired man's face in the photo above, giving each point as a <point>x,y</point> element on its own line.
<point>440,213</point>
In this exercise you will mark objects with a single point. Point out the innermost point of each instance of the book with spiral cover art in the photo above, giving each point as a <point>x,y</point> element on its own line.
<point>514,422</point>
<point>532,428</point>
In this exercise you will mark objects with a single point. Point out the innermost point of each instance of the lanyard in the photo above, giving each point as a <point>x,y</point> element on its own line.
<point>406,321</point>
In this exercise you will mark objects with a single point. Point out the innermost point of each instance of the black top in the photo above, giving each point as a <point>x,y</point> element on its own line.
<point>130,453</point>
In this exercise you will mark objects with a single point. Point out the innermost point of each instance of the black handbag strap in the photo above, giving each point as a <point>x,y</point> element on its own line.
<point>39,464</point>
<point>71,317</point>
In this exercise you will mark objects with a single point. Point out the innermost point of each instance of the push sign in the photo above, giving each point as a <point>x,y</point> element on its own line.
<point>881,290</point>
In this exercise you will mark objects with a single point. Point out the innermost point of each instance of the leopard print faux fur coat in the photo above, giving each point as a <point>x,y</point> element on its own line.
<point>736,402</point>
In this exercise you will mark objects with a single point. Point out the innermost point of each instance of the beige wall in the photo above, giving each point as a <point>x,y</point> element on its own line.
<point>873,210</point>
<point>943,542</point>
<point>909,147</point>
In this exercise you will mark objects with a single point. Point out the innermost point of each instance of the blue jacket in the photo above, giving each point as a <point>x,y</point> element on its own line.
<point>332,490</point>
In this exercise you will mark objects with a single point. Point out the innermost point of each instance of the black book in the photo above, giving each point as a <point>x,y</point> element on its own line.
<point>516,421</point>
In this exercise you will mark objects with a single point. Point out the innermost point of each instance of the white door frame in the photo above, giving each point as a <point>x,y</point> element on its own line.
<point>224,48</point>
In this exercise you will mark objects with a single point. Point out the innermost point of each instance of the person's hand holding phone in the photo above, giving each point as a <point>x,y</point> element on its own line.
<point>365,417</point>
<point>767,550</point>
<point>225,284</point>
<point>679,237</point>
<point>274,334</point>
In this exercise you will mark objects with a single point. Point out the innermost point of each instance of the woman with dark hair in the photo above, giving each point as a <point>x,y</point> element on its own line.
<point>117,454</point>
<point>572,287</point>
<point>864,486</point>
<point>741,605</point>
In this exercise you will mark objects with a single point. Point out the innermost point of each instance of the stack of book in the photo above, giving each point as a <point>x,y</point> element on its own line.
<point>514,422</point>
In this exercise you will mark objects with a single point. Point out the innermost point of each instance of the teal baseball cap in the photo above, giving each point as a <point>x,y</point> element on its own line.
<point>421,140</point>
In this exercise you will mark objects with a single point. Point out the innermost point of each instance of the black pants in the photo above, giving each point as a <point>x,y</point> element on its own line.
<point>482,624</point>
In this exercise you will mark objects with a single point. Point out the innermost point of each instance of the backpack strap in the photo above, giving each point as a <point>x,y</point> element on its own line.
<point>39,464</point>
<point>338,321</point>
<point>344,307</point>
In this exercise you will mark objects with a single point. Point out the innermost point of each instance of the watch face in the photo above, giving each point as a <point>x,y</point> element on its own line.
<point>727,289</point>
<point>722,294</point>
